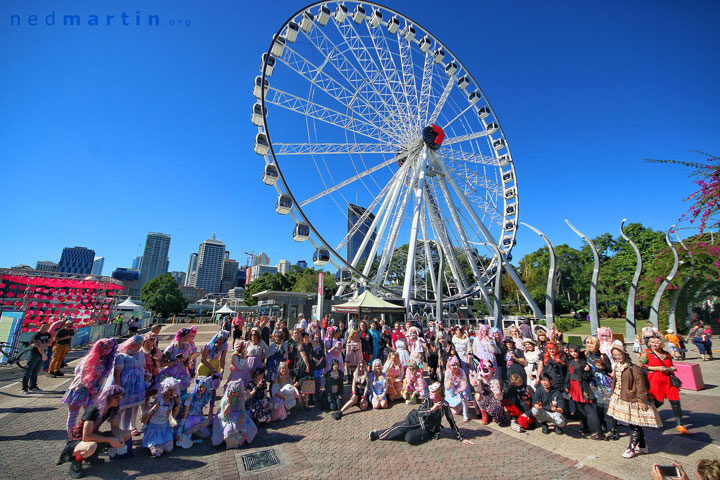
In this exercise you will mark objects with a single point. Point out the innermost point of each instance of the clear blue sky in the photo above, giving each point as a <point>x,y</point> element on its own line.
<point>109,132</point>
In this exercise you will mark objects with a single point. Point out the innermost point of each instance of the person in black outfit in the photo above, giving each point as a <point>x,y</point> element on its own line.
<point>331,398</point>
<point>577,387</point>
<point>423,423</point>
<point>40,342</point>
<point>514,359</point>
<point>86,441</point>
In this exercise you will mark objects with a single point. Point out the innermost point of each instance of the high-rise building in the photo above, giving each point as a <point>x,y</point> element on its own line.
<point>354,213</point>
<point>137,261</point>
<point>155,257</point>
<point>130,278</point>
<point>209,265</point>
<point>257,271</point>
<point>283,266</point>
<point>98,264</point>
<point>46,266</point>
<point>261,259</point>
<point>229,275</point>
<point>192,266</point>
<point>302,264</point>
<point>242,277</point>
<point>179,277</point>
<point>76,260</point>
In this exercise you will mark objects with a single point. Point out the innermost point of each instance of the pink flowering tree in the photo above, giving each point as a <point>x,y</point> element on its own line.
<point>705,206</point>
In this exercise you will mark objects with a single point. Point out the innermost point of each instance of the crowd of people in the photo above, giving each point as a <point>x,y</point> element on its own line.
<point>523,379</point>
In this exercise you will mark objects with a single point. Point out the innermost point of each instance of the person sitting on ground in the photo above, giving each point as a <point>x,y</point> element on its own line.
<point>158,436</point>
<point>331,398</point>
<point>423,423</point>
<point>193,421</point>
<point>85,440</point>
<point>547,405</point>
<point>359,391</point>
<point>518,402</point>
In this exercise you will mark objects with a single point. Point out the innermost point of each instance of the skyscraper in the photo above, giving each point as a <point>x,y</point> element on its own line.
<point>283,266</point>
<point>76,260</point>
<point>137,261</point>
<point>98,264</point>
<point>190,274</point>
<point>229,275</point>
<point>354,213</point>
<point>261,259</point>
<point>155,257</point>
<point>179,278</point>
<point>209,265</point>
<point>46,266</point>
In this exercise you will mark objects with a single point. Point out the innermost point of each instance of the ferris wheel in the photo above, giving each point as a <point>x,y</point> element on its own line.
<point>385,153</point>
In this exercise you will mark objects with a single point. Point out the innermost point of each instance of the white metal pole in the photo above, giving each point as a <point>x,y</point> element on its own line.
<point>410,262</point>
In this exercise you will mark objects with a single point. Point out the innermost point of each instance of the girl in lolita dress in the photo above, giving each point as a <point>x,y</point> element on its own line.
<point>232,424</point>
<point>158,434</point>
<point>193,421</point>
<point>90,376</point>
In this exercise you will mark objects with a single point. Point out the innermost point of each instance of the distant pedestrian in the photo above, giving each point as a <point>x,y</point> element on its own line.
<point>38,355</point>
<point>63,338</point>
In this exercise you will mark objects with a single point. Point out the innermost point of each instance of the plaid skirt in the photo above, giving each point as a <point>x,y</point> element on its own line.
<point>632,414</point>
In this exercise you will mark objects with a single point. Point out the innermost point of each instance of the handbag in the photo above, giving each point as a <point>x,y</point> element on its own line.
<point>307,387</point>
<point>674,380</point>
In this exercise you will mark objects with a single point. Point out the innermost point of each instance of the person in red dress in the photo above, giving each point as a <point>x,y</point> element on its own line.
<point>659,366</point>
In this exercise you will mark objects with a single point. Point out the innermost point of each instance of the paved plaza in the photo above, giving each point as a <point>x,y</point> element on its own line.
<point>310,445</point>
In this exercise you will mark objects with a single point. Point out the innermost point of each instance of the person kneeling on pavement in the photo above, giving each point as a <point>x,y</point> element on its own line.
<point>423,423</point>
<point>86,441</point>
<point>547,405</point>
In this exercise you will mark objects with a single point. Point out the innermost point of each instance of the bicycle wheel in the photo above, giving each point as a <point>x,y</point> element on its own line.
<point>22,359</point>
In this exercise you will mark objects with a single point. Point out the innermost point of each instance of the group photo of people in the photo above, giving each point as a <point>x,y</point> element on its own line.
<point>132,395</point>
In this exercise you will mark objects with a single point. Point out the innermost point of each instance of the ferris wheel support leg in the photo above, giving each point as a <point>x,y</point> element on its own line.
<point>395,229</point>
<point>497,317</point>
<point>464,240</point>
<point>428,255</point>
<point>489,237</point>
<point>373,225</point>
<point>410,263</point>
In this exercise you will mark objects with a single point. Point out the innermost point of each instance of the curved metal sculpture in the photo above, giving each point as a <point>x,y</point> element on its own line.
<point>497,310</point>
<point>594,321</point>
<point>630,309</point>
<point>672,319</point>
<point>658,295</point>
<point>550,291</point>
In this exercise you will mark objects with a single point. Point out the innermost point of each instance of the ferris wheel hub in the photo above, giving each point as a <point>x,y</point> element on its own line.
<point>433,136</point>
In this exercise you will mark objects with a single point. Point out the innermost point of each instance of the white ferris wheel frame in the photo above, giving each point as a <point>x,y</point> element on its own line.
<point>306,22</point>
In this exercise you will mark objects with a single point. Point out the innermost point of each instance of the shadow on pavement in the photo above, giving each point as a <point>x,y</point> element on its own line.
<point>37,435</point>
<point>113,470</point>
<point>27,410</point>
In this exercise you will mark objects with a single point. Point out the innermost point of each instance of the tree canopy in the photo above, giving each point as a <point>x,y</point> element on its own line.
<point>162,295</point>
<point>296,280</point>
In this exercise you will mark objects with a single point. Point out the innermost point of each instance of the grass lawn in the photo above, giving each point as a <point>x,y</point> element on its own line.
<point>617,325</point>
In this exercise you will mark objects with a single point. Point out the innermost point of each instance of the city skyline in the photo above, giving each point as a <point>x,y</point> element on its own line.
<point>582,92</point>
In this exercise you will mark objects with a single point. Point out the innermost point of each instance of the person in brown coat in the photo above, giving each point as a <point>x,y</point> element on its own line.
<point>629,401</point>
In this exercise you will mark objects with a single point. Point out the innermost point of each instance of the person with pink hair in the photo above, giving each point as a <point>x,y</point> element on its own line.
<point>90,375</point>
<point>334,348</point>
<point>238,364</point>
<point>129,373</point>
<point>456,388</point>
<point>608,342</point>
<point>415,386</point>
<point>483,347</point>
<point>178,355</point>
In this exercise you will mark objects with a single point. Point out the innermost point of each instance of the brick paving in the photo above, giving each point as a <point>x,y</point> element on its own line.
<point>312,445</point>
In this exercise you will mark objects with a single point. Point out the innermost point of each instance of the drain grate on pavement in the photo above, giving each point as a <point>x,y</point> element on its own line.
<point>261,459</point>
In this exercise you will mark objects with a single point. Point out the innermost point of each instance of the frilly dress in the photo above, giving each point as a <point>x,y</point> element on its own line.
<point>238,369</point>
<point>402,352</point>
<point>158,431</point>
<point>237,424</point>
<point>195,412</point>
<point>179,370</point>
<point>132,378</point>
<point>77,393</point>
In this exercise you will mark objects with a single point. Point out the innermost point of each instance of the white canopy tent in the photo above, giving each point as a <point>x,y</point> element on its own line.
<point>128,305</point>
<point>225,309</point>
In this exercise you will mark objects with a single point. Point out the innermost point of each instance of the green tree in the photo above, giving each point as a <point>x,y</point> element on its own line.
<point>162,295</point>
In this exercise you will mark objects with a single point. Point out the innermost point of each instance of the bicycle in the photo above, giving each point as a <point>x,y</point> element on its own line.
<point>21,355</point>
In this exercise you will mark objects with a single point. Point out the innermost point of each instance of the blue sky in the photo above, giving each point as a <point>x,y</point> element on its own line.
<point>111,131</point>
